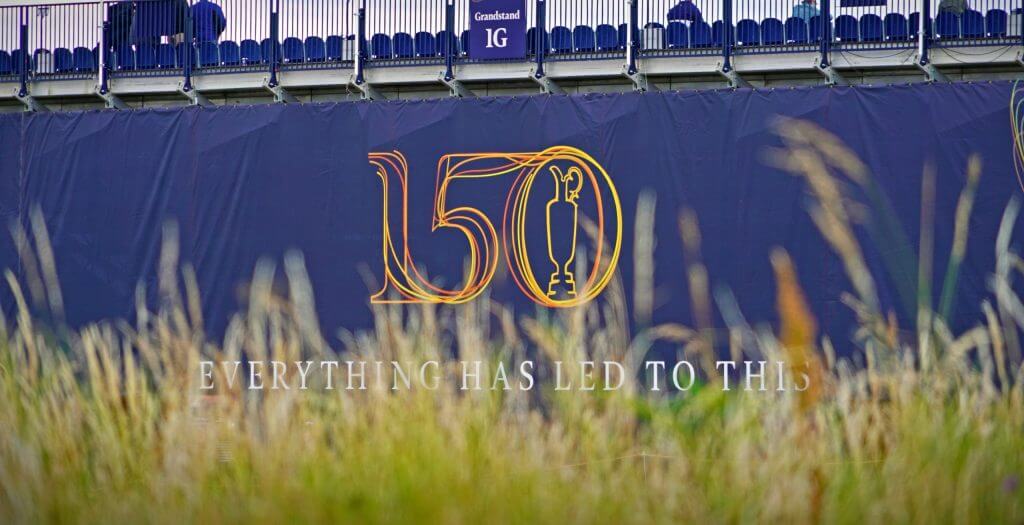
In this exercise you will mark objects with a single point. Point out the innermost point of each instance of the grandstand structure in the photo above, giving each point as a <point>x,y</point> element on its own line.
<point>88,54</point>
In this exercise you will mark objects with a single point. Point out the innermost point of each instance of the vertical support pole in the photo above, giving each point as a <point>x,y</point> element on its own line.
<point>924,32</point>
<point>104,46</point>
<point>361,53</point>
<point>275,51</point>
<point>541,7</point>
<point>826,34</point>
<point>727,37</point>
<point>632,40</point>
<point>190,52</point>
<point>23,44</point>
<point>449,27</point>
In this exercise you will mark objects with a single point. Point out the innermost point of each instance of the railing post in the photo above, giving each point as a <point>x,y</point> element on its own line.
<point>541,45</point>
<point>275,29</point>
<point>727,37</point>
<point>826,34</point>
<point>190,51</point>
<point>103,65</point>
<point>925,32</point>
<point>23,44</point>
<point>449,27</point>
<point>361,53</point>
<point>632,44</point>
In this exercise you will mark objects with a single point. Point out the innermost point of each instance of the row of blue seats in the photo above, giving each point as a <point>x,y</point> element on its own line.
<point>582,39</point>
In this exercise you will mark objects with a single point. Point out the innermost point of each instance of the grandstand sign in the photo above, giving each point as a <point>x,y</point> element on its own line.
<point>497,29</point>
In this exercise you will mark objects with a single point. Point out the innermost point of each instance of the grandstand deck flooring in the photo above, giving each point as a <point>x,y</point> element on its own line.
<point>574,77</point>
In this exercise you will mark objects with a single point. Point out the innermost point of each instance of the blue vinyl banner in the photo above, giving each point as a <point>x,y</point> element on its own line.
<point>497,29</point>
<point>528,201</point>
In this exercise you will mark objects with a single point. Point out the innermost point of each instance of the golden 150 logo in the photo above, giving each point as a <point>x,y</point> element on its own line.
<point>581,203</point>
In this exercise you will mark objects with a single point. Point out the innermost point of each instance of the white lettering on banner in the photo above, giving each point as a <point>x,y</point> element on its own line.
<point>497,16</point>
<point>497,37</point>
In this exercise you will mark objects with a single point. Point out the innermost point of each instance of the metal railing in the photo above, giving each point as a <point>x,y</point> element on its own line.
<point>134,38</point>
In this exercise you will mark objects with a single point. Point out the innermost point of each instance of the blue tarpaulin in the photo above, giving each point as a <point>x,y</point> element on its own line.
<point>250,182</point>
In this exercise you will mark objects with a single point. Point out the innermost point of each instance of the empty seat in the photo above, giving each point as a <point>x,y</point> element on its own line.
<point>63,62</point>
<point>677,35</point>
<point>125,57</point>
<point>947,25</point>
<point>464,42</point>
<point>652,36</point>
<point>561,40</point>
<point>700,34</point>
<point>334,48</point>
<point>230,53</point>
<point>895,26</point>
<point>623,35</point>
<point>270,50</point>
<point>145,56</point>
<point>18,60</point>
<point>995,23</point>
<point>531,41</point>
<point>814,29</point>
<point>583,39</point>
<point>772,32</point>
<point>747,33</point>
<point>165,56</point>
<point>426,46</point>
<point>445,42</point>
<point>607,38</point>
<point>871,28</point>
<point>403,46</point>
<point>292,50</point>
<point>796,30</point>
<point>972,24</point>
<point>846,28</point>
<point>316,49</point>
<point>718,34</point>
<point>84,60</point>
<point>6,66</point>
<point>914,25</point>
<point>380,46</point>
<point>251,52</point>
<point>209,55</point>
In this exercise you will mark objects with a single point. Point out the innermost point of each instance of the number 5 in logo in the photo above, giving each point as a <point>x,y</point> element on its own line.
<point>576,178</point>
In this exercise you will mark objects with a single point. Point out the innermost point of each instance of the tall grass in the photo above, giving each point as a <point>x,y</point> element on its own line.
<point>108,424</point>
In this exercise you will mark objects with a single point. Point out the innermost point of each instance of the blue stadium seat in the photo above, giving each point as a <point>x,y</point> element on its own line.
<point>63,61</point>
<point>607,38</point>
<point>814,29</point>
<point>561,40</point>
<point>251,53</point>
<point>913,25</point>
<point>6,66</point>
<point>677,36</point>
<point>995,23</point>
<point>181,52</point>
<point>84,60</point>
<point>403,45</point>
<point>209,54</point>
<point>772,32</point>
<point>871,28</point>
<point>165,56</point>
<point>700,35</point>
<point>18,60</point>
<point>269,48</point>
<point>145,56</point>
<point>846,28</point>
<point>895,27</point>
<point>292,50</point>
<point>796,30</point>
<point>426,46</point>
<point>623,35</point>
<point>972,24</point>
<point>230,53</point>
<point>316,49</point>
<point>125,58</point>
<point>947,25</point>
<point>717,33</point>
<point>334,48</point>
<point>380,46</point>
<point>445,41</point>
<point>464,42</point>
<point>748,33</point>
<point>583,39</point>
<point>531,42</point>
